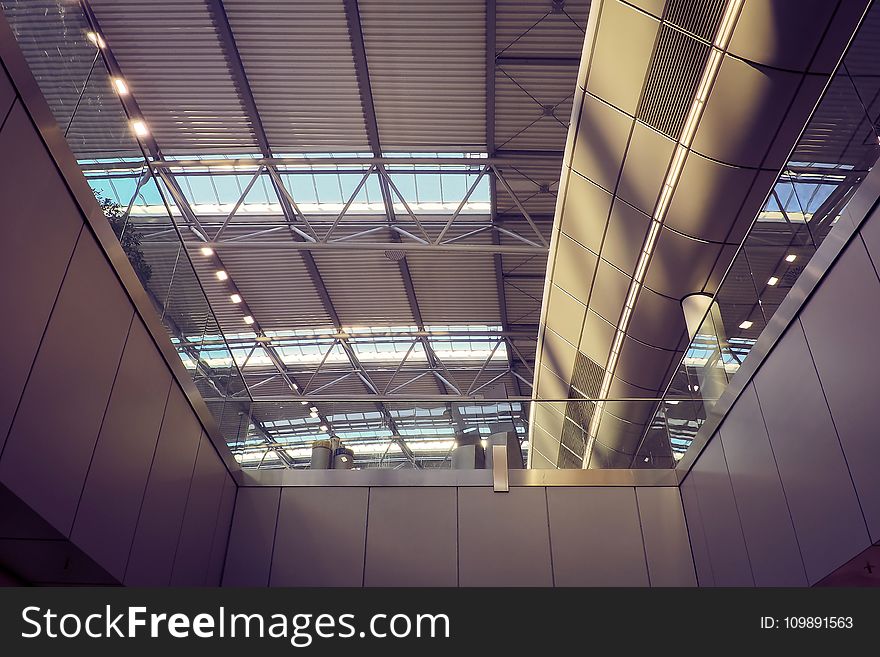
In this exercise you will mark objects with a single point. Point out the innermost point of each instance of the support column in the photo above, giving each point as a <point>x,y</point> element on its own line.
<point>703,318</point>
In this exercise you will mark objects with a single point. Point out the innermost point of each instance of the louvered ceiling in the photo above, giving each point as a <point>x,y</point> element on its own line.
<point>632,106</point>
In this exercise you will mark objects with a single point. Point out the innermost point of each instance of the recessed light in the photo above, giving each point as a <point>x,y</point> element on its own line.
<point>746,325</point>
<point>235,298</point>
<point>207,251</point>
<point>140,128</point>
<point>772,280</point>
<point>791,257</point>
<point>248,319</point>
<point>121,86</point>
<point>96,39</point>
<point>221,275</point>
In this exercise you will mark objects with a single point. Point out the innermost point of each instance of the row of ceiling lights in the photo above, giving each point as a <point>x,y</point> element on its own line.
<point>772,281</point>
<point>140,129</point>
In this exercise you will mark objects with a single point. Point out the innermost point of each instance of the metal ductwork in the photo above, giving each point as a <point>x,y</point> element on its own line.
<point>684,114</point>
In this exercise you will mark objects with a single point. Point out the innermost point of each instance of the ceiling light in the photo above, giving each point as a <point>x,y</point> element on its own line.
<point>772,280</point>
<point>121,87</point>
<point>313,414</point>
<point>295,387</point>
<point>207,251</point>
<point>313,409</point>
<point>221,275</point>
<point>140,128</point>
<point>323,427</point>
<point>304,402</point>
<point>746,325</point>
<point>791,257</point>
<point>96,39</point>
<point>248,319</point>
<point>235,298</point>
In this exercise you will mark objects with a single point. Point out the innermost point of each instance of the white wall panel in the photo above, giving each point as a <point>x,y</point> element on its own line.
<point>763,511</point>
<point>721,523</point>
<point>249,554</point>
<point>595,537</point>
<point>108,509</point>
<point>503,538</point>
<point>320,537</point>
<point>841,323</point>
<point>164,502</point>
<point>55,429</point>
<point>666,541</point>
<point>40,228</point>
<point>222,527</point>
<point>694,518</point>
<point>200,518</point>
<point>823,503</point>
<point>411,537</point>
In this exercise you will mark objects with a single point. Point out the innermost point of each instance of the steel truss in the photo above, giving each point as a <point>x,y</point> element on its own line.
<point>404,231</point>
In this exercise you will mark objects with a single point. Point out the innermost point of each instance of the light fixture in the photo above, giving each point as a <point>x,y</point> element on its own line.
<point>710,73</point>
<point>772,280</point>
<point>790,257</point>
<point>323,427</point>
<point>313,414</point>
<point>221,275</point>
<point>746,325</point>
<point>304,402</point>
<point>207,251</point>
<point>140,128</point>
<point>235,298</point>
<point>295,387</point>
<point>248,319</point>
<point>121,86</point>
<point>313,409</point>
<point>96,39</point>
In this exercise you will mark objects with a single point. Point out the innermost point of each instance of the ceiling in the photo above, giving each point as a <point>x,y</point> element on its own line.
<point>673,149</point>
<point>357,129</point>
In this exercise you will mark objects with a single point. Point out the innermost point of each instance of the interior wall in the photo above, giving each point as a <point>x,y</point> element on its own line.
<point>98,442</point>
<point>786,490</point>
<point>458,536</point>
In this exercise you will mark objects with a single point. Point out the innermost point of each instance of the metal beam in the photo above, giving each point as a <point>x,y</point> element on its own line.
<point>537,60</point>
<point>273,244</point>
<point>236,70</point>
<point>502,158</point>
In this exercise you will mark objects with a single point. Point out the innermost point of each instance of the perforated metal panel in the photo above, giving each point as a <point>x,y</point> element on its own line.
<point>698,18</point>
<point>672,81</point>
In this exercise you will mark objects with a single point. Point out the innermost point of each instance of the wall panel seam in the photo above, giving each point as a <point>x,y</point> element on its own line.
<point>147,482</point>
<point>274,534</point>
<point>100,426</point>
<point>742,530</point>
<point>39,344</point>
<point>642,532</point>
<point>834,426</point>
<point>185,506</point>
<point>366,535</point>
<point>782,486</point>
<point>549,538</point>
